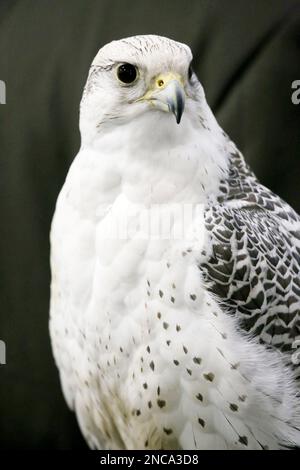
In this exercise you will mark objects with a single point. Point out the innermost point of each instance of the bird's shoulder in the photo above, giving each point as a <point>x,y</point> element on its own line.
<point>252,257</point>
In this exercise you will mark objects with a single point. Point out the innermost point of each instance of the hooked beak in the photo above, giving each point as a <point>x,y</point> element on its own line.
<point>168,95</point>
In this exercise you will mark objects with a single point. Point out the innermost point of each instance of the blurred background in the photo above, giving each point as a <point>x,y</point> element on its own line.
<point>247,54</point>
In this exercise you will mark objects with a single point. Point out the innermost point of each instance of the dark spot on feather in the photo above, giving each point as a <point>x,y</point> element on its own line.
<point>233,407</point>
<point>235,366</point>
<point>210,376</point>
<point>221,352</point>
<point>201,422</point>
<point>243,440</point>
<point>161,403</point>
<point>197,360</point>
<point>167,431</point>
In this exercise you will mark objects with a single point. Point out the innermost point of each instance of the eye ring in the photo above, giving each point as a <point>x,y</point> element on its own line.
<point>127,73</point>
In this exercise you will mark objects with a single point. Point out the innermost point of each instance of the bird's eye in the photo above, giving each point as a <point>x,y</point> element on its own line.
<point>190,71</point>
<point>127,73</point>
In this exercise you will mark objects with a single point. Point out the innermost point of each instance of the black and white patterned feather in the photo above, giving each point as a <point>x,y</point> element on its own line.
<point>254,265</point>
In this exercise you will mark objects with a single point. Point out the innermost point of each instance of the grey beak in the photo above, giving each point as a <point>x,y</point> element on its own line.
<point>176,103</point>
<point>171,99</point>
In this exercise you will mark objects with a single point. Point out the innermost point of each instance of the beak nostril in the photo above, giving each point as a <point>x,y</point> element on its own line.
<point>167,94</point>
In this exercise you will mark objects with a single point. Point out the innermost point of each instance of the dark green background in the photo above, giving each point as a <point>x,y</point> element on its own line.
<point>246,56</point>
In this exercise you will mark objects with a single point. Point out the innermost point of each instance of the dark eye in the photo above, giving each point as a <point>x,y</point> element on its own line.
<point>190,71</point>
<point>127,73</point>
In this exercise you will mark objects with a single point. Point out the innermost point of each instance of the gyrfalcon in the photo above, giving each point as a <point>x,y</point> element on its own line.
<point>175,293</point>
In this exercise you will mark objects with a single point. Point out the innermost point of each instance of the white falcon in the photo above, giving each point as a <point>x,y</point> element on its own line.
<point>175,291</point>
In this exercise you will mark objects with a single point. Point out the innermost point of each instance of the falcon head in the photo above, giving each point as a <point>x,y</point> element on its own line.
<point>140,75</point>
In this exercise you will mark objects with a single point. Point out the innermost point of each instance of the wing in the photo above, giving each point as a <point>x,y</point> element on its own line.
<point>252,267</point>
